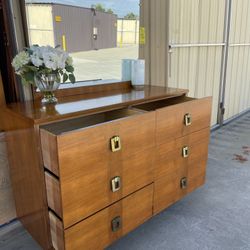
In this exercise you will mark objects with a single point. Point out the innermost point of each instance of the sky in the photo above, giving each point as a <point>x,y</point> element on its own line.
<point>120,7</point>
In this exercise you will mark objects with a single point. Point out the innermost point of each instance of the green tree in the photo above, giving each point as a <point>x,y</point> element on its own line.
<point>131,16</point>
<point>110,11</point>
<point>99,7</point>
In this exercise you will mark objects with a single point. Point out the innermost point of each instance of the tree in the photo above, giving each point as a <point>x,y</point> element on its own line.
<point>99,7</point>
<point>110,11</point>
<point>131,16</point>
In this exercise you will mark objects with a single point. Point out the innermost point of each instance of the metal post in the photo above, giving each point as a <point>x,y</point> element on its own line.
<point>224,62</point>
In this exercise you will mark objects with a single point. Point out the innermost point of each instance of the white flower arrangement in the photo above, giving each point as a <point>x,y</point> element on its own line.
<point>43,60</point>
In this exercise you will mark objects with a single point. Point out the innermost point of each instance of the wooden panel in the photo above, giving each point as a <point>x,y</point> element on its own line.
<point>53,194</point>
<point>56,231</point>
<point>197,174</point>
<point>27,176</point>
<point>87,163</point>
<point>167,190</point>
<point>7,205</point>
<point>169,155</point>
<point>95,232</point>
<point>2,97</point>
<point>170,120</point>
<point>49,151</point>
<point>91,103</point>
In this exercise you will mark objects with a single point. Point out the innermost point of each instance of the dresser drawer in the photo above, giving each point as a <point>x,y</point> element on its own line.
<point>171,188</point>
<point>184,151</point>
<point>168,189</point>
<point>179,116</point>
<point>108,225</point>
<point>90,175</point>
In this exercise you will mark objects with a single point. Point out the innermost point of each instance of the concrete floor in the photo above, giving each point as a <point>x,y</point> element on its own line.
<point>215,217</point>
<point>102,64</point>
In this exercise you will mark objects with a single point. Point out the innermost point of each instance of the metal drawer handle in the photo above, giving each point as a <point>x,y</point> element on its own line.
<point>116,184</point>
<point>185,152</point>
<point>188,119</point>
<point>116,224</point>
<point>115,144</point>
<point>184,183</point>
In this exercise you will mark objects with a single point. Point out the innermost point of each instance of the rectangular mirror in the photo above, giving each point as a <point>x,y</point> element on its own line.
<point>98,34</point>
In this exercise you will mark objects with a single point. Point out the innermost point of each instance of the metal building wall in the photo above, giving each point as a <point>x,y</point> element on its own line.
<point>106,25</point>
<point>77,25</point>
<point>40,24</point>
<point>237,95</point>
<point>127,31</point>
<point>196,36</point>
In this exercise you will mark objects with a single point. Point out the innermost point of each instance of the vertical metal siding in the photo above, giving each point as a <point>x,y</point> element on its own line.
<point>237,96</point>
<point>77,25</point>
<point>107,30</point>
<point>197,66</point>
<point>40,31</point>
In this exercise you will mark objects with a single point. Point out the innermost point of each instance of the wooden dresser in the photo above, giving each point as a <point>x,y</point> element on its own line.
<point>93,167</point>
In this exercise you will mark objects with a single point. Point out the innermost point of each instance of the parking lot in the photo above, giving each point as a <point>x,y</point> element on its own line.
<point>102,64</point>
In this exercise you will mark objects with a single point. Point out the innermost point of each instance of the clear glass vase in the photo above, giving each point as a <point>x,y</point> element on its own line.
<point>47,84</point>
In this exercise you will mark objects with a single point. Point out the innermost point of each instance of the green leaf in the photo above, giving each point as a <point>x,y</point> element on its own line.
<point>69,68</point>
<point>72,78</point>
<point>28,77</point>
<point>33,68</point>
<point>65,77</point>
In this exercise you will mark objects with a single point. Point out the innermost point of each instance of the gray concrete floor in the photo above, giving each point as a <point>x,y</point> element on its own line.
<point>215,217</point>
<point>102,64</point>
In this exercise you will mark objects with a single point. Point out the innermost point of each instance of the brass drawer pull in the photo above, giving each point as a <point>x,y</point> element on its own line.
<point>185,152</point>
<point>184,183</point>
<point>116,184</point>
<point>188,119</point>
<point>115,144</point>
<point>116,224</point>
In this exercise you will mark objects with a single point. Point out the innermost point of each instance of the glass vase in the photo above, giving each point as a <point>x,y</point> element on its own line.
<point>47,84</point>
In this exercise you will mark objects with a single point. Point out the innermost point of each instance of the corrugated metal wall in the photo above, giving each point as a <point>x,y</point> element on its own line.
<point>237,96</point>
<point>106,25</point>
<point>40,31</point>
<point>127,31</point>
<point>196,34</point>
<point>77,25</point>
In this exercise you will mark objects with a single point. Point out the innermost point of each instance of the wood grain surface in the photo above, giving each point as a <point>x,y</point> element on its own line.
<point>86,163</point>
<point>95,232</point>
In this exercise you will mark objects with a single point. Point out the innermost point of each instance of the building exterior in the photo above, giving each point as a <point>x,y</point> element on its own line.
<point>73,28</point>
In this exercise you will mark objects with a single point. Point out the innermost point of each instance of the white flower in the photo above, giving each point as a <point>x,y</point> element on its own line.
<point>36,59</point>
<point>69,61</point>
<point>20,60</point>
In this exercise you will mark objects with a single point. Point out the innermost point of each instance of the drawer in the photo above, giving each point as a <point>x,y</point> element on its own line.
<point>90,176</point>
<point>180,116</point>
<point>108,225</point>
<point>169,189</point>
<point>170,156</point>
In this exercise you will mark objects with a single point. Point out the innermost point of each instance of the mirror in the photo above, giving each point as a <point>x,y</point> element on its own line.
<point>98,34</point>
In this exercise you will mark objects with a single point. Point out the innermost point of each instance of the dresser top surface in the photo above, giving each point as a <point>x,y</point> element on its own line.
<point>83,104</point>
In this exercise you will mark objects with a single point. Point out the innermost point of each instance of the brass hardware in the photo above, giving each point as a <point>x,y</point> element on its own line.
<point>116,223</point>
<point>188,119</point>
<point>116,184</point>
<point>185,152</point>
<point>184,183</point>
<point>116,144</point>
